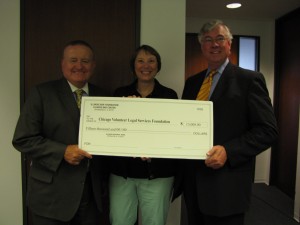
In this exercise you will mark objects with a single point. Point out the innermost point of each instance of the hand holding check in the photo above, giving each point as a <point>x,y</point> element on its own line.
<point>216,157</point>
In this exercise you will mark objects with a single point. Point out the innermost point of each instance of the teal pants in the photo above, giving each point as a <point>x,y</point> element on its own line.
<point>152,197</point>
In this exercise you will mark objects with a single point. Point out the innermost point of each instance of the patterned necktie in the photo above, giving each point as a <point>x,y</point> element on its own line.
<point>78,93</point>
<point>203,94</point>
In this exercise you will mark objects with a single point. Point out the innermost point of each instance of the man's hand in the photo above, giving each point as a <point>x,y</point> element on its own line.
<point>74,155</point>
<point>216,157</point>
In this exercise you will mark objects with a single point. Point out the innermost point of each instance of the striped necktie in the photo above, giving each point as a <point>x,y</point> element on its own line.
<point>78,93</point>
<point>203,94</point>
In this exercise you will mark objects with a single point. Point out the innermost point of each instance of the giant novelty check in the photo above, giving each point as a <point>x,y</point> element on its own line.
<point>144,127</point>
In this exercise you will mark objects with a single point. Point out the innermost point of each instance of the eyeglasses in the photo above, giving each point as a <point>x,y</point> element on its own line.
<point>209,40</point>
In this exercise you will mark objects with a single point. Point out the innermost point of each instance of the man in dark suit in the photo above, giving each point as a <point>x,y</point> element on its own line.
<point>217,190</point>
<point>64,185</point>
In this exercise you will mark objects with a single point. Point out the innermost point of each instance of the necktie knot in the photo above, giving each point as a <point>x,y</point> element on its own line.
<point>204,92</point>
<point>212,73</point>
<point>78,93</point>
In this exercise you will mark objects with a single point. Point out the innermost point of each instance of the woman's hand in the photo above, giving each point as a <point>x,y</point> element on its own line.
<point>133,96</point>
<point>146,159</point>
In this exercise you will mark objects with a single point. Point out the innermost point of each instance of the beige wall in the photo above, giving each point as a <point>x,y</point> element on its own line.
<point>163,27</point>
<point>10,161</point>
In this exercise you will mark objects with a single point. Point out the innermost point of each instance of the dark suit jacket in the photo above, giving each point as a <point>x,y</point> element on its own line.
<point>49,121</point>
<point>244,123</point>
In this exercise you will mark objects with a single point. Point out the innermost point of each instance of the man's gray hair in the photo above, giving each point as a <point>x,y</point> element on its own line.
<point>210,26</point>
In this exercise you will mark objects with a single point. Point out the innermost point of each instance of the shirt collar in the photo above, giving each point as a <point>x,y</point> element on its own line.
<point>85,87</point>
<point>221,68</point>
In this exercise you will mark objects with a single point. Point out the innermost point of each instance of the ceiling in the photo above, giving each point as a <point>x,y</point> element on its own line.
<point>250,10</point>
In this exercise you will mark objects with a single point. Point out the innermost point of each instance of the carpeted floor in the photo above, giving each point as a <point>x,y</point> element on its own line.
<point>270,206</point>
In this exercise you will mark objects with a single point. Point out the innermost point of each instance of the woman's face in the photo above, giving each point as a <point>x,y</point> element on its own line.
<point>145,66</point>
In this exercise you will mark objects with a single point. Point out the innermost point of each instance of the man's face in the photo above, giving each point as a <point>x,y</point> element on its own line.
<point>215,47</point>
<point>78,64</point>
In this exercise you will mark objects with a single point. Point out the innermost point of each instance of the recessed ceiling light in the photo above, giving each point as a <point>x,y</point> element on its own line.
<point>234,5</point>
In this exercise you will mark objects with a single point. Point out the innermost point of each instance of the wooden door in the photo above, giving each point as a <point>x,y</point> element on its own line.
<point>286,103</point>
<point>111,27</point>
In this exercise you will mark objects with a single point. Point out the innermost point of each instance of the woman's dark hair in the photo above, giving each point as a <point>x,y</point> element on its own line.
<point>147,49</point>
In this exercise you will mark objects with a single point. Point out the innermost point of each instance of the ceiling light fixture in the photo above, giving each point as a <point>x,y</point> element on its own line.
<point>234,5</point>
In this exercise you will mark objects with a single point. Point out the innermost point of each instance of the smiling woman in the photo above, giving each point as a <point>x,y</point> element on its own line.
<point>140,182</point>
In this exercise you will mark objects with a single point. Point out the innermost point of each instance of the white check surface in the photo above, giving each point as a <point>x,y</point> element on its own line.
<point>145,127</point>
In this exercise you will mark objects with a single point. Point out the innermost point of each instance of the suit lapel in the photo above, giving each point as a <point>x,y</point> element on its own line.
<point>68,100</point>
<point>91,90</point>
<point>224,82</point>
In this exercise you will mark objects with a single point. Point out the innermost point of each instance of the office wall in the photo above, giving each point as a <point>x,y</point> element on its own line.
<point>266,31</point>
<point>163,27</point>
<point>10,160</point>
